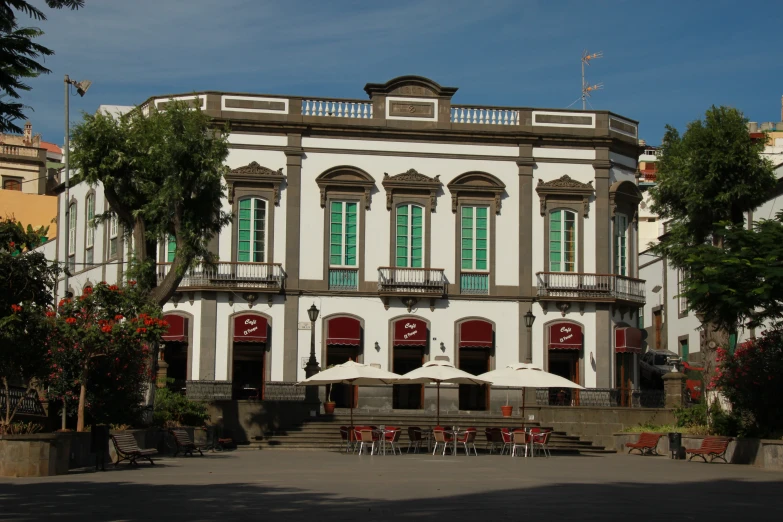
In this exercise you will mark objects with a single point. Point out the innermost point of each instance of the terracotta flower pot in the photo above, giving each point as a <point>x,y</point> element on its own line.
<point>506,410</point>
<point>329,408</point>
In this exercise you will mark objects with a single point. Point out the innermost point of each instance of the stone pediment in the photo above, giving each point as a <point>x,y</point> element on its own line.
<point>410,86</point>
<point>479,184</point>
<point>346,178</point>
<point>567,188</point>
<point>254,174</point>
<point>411,182</point>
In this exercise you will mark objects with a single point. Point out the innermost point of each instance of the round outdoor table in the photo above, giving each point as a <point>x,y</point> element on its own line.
<point>381,432</point>
<point>454,432</point>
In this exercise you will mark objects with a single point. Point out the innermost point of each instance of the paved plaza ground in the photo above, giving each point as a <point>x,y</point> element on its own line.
<point>281,485</point>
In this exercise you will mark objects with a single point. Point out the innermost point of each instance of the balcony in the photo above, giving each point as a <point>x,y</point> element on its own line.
<point>411,284</point>
<point>258,277</point>
<point>343,279</point>
<point>474,283</point>
<point>590,287</point>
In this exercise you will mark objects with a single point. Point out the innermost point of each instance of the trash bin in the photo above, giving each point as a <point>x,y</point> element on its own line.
<point>675,444</point>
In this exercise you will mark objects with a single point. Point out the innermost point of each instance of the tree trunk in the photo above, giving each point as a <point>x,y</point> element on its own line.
<point>7,403</point>
<point>82,400</point>
<point>149,394</point>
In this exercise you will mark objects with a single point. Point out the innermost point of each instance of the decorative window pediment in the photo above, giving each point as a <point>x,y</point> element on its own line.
<point>565,188</point>
<point>346,179</point>
<point>411,182</point>
<point>476,184</point>
<point>410,86</point>
<point>627,196</point>
<point>254,174</point>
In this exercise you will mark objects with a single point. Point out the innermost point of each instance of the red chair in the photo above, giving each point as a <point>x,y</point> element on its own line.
<point>540,441</point>
<point>468,440</point>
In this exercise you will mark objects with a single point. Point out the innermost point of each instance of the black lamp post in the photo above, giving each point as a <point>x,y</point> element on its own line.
<point>312,364</point>
<point>529,320</point>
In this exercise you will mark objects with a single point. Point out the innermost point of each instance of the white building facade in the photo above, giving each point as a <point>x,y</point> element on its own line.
<point>418,228</point>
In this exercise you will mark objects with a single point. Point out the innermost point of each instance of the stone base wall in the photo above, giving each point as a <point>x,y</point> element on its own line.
<point>244,421</point>
<point>37,455</point>
<point>767,454</point>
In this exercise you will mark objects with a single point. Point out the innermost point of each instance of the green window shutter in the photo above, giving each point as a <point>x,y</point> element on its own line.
<point>243,231</point>
<point>732,343</point>
<point>417,236</point>
<point>555,241</point>
<point>467,238</point>
<point>621,245</point>
<point>259,230</point>
<point>402,235</point>
<point>351,234</point>
<point>344,234</point>
<point>336,234</point>
<point>569,243</point>
<point>171,248</point>
<point>410,236</point>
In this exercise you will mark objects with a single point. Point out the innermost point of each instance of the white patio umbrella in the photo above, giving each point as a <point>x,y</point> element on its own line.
<point>438,371</point>
<point>522,375</point>
<point>353,373</point>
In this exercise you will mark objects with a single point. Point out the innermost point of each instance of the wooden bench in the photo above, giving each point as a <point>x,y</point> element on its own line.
<point>647,444</point>
<point>184,443</point>
<point>127,449</point>
<point>713,447</point>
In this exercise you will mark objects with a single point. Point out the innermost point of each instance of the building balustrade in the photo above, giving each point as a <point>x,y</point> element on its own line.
<point>337,108</point>
<point>591,287</point>
<point>484,115</point>
<point>343,279</point>
<point>396,280</point>
<point>256,276</point>
<point>474,283</point>
<point>19,150</point>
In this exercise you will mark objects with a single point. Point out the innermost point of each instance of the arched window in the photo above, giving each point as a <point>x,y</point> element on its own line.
<point>562,241</point>
<point>89,242</point>
<point>410,236</point>
<point>251,243</point>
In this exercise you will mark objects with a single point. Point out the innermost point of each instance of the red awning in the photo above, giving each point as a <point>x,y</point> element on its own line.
<point>565,336</point>
<point>249,328</point>
<point>410,332</point>
<point>178,328</point>
<point>476,334</point>
<point>346,331</point>
<point>628,340</point>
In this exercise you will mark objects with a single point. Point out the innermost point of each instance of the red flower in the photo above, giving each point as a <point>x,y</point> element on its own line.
<point>87,291</point>
<point>132,283</point>
<point>113,288</point>
<point>117,317</point>
<point>71,320</point>
<point>16,308</point>
<point>106,328</point>
<point>49,313</point>
<point>11,244</point>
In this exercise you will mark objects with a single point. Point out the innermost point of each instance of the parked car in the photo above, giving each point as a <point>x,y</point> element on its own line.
<point>656,363</point>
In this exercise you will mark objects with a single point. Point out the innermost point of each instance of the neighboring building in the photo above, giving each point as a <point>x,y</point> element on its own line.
<point>416,226</point>
<point>666,318</point>
<point>28,164</point>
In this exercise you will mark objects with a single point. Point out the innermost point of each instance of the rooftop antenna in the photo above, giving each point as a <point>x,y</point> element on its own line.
<point>587,89</point>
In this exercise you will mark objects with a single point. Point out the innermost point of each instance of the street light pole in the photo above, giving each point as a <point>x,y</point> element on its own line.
<point>529,320</point>
<point>81,88</point>
<point>312,364</point>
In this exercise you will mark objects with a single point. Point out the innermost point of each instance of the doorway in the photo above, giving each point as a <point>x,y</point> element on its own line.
<point>624,376</point>
<point>475,361</point>
<point>175,354</point>
<point>658,329</point>
<point>249,360</point>
<point>564,363</point>
<point>407,396</point>
<point>342,394</point>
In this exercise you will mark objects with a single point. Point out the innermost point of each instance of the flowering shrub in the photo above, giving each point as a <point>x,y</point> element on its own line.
<point>99,352</point>
<point>752,380</point>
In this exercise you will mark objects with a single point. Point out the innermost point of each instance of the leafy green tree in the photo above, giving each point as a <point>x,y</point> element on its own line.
<point>162,174</point>
<point>19,55</point>
<point>26,284</point>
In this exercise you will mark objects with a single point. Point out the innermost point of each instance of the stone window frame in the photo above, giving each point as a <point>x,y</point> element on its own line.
<point>90,194</point>
<point>476,188</point>
<point>492,351</point>
<point>411,188</point>
<point>350,184</point>
<point>254,181</point>
<point>624,198</point>
<point>267,344</point>
<point>17,179</point>
<point>565,193</point>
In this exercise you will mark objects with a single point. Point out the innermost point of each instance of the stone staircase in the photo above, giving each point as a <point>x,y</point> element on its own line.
<point>323,433</point>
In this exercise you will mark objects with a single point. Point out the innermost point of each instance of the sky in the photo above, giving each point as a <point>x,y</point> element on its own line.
<point>663,62</point>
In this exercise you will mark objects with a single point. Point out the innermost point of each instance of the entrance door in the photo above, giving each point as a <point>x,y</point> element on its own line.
<point>658,328</point>
<point>407,396</point>
<point>248,370</point>
<point>473,396</point>
<point>176,356</point>
<point>624,376</point>
<point>342,394</point>
<point>564,363</point>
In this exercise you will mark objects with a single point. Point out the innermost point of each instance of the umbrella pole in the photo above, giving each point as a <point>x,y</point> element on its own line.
<point>523,406</point>
<point>437,413</point>
<point>351,406</point>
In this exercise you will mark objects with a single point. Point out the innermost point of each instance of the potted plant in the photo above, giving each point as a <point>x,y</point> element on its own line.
<point>506,410</point>
<point>329,404</point>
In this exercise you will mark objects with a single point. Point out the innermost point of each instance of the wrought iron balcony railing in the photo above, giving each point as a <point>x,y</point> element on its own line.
<point>411,280</point>
<point>257,276</point>
<point>598,287</point>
